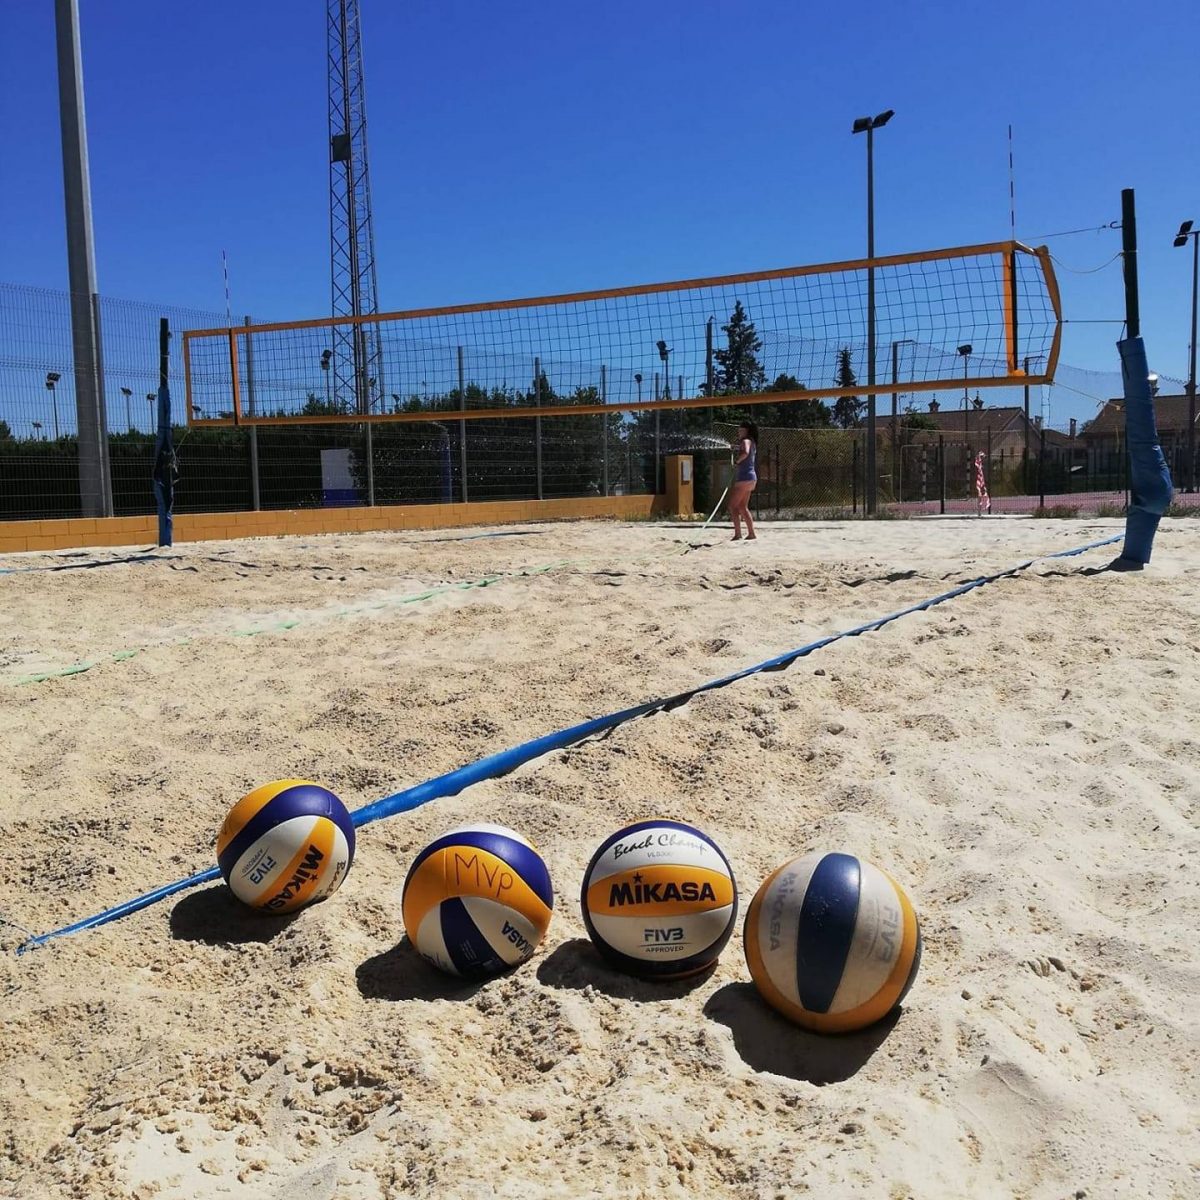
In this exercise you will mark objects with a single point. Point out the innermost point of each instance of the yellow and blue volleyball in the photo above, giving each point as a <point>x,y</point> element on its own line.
<point>285,845</point>
<point>477,901</point>
<point>832,942</point>
<point>659,899</point>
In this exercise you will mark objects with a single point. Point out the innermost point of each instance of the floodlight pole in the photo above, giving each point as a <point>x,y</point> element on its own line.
<point>1195,236</point>
<point>871,481</point>
<point>95,489</point>
<point>1181,239</point>
<point>868,125</point>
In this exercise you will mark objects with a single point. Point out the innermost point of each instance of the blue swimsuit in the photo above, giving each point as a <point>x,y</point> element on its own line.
<point>746,472</point>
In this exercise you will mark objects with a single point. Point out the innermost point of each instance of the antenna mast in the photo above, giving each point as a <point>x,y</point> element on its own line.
<point>357,354</point>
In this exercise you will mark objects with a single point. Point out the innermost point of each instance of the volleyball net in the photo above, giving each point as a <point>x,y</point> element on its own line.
<point>976,317</point>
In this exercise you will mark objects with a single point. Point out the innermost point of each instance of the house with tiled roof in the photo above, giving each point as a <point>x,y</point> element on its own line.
<point>1104,436</point>
<point>1170,412</point>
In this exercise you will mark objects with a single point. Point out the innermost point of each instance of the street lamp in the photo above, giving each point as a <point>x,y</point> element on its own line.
<point>638,380</point>
<point>37,425</point>
<point>965,351</point>
<point>1181,238</point>
<point>52,377</point>
<point>868,125</point>
<point>665,355</point>
<point>127,392</point>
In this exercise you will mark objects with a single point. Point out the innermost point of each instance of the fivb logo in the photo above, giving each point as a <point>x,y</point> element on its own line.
<point>640,892</point>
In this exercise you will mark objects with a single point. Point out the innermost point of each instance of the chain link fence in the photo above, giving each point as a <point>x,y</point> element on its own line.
<point>822,473</point>
<point>925,463</point>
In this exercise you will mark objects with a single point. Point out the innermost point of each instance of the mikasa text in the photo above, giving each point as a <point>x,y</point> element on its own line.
<point>307,869</point>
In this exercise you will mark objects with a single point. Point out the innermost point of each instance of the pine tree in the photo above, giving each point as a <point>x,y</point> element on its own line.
<point>738,371</point>
<point>847,412</point>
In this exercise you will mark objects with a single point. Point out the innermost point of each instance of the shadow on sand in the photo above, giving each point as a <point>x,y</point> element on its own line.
<point>768,1042</point>
<point>577,964</point>
<point>402,974</point>
<point>216,917</point>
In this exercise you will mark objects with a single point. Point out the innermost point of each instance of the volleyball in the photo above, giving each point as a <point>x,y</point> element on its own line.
<point>477,901</point>
<point>832,942</point>
<point>285,845</point>
<point>659,899</point>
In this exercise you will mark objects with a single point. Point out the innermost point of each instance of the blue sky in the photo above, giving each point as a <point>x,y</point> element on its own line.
<point>537,147</point>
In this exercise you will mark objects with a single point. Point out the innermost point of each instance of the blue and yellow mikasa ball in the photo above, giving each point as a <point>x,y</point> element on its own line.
<point>285,845</point>
<point>477,901</point>
<point>659,899</point>
<point>832,942</point>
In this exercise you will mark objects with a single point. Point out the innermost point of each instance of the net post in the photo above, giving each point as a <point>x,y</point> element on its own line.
<point>462,425</point>
<point>1133,322</point>
<point>250,404</point>
<point>164,451</point>
<point>537,422</point>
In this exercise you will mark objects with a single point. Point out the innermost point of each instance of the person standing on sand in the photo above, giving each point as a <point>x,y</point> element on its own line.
<point>745,455</point>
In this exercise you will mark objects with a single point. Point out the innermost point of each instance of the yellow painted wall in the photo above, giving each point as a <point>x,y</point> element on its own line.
<point>197,527</point>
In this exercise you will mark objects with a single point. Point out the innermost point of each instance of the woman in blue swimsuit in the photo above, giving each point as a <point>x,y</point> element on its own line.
<point>745,454</point>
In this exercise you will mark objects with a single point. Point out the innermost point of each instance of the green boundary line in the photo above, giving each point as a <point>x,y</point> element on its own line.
<point>349,611</point>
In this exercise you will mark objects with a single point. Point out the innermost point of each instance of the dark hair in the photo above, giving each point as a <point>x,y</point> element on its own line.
<point>751,430</point>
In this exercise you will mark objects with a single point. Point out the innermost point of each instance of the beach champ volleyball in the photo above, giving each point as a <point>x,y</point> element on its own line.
<point>659,899</point>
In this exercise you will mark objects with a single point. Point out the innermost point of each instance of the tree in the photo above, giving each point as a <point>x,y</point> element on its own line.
<point>738,371</point>
<point>796,414</point>
<point>314,406</point>
<point>847,412</point>
<point>913,418</point>
<point>5,432</point>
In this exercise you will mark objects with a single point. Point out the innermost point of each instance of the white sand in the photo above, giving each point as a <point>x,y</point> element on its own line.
<point>1024,759</point>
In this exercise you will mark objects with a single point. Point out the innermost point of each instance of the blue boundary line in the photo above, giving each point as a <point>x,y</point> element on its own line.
<point>495,766</point>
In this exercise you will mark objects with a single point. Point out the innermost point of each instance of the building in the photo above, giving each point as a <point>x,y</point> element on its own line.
<point>1104,435</point>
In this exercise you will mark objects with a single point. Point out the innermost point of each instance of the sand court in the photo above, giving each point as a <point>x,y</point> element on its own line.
<point>1023,759</point>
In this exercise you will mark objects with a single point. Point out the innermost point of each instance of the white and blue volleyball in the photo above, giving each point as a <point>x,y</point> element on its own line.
<point>477,901</point>
<point>285,845</point>
<point>659,899</point>
<point>832,942</point>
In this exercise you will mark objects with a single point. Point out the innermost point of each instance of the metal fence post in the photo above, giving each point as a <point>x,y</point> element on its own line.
<point>537,422</point>
<point>462,425</point>
<point>854,476</point>
<point>1042,467</point>
<point>942,473</point>
<point>604,425</point>
<point>106,455</point>
<point>657,450</point>
<point>370,446</point>
<point>778,480</point>
<point>256,499</point>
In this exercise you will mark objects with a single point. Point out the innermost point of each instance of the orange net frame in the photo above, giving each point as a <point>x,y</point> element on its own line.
<point>974,316</point>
